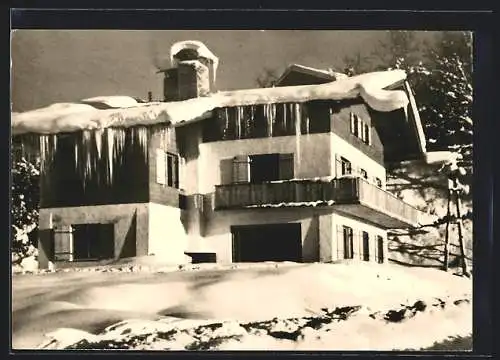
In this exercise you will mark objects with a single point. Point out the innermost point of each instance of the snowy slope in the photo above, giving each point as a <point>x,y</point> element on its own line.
<point>67,307</point>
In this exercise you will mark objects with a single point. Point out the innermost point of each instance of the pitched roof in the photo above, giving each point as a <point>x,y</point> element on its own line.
<point>327,75</point>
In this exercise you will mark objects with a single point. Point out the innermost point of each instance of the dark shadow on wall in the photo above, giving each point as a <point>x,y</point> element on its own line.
<point>129,244</point>
<point>310,247</point>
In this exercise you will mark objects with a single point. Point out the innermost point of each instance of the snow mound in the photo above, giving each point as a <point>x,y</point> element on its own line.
<point>94,301</point>
<point>75,117</point>
<point>112,101</point>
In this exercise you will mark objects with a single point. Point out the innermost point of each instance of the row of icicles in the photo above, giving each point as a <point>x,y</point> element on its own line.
<point>292,114</point>
<point>93,147</point>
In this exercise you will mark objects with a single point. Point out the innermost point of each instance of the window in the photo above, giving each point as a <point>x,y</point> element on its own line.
<point>363,173</point>
<point>320,119</point>
<point>354,124</point>
<point>360,129</point>
<point>348,242</point>
<point>257,168</point>
<point>346,166</point>
<point>367,134</point>
<point>366,246</point>
<point>167,168</point>
<point>378,182</point>
<point>380,249</point>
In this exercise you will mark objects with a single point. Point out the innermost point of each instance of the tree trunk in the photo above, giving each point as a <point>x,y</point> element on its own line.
<point>447,233</point>
<point>465,270</point>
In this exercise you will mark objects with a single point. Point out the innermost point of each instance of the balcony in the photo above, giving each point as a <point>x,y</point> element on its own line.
<point>351,196</point>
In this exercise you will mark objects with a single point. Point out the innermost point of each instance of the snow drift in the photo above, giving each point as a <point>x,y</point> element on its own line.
<point>90,302</point>
<point>126,112</point>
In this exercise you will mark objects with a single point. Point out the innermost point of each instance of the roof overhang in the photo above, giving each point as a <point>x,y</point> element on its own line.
<point>377,89</point>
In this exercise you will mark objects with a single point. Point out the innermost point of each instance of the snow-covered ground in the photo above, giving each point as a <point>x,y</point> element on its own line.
<point>344,306</point>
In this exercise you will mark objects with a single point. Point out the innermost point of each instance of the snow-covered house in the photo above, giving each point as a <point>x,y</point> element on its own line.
<point>296,172</point>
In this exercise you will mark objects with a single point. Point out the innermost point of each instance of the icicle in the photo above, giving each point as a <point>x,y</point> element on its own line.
<point>285,108</point>
<point>77,160</point>
<point>238,122</point>
<point>54,146</point>
<point>226,115</point>
<point>110,140</point>
<point>297,133</point>
<point>273,117</point>
<point>267,112</point>
<point>43,152</point>
<point>98,134</point>
<point>120,137</point>
<point>305,117</point>
<point>142,133</point>
<point>88,150</point>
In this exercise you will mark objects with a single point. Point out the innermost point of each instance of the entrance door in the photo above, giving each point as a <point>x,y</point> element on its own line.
<point>270,242</point>
<point>93,241</point>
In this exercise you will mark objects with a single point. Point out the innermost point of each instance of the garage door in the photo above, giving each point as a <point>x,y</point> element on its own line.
<point>270,242</point>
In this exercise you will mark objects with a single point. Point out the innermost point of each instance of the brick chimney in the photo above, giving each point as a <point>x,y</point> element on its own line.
<point>192,73</point>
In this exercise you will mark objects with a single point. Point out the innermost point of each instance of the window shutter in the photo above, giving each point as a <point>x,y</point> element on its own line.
<point>63,243</point>
<point>368,133</point>
<point>286,170</point>
<point>340,242</point>
<point>175,171</point>
<point>360,127</point>
<point>161,167</point>
<point>226,171</point>
<point>241,169</point>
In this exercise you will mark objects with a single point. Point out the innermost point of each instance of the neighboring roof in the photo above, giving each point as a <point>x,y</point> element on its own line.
<point>122,112</point>
<point>327,75</point>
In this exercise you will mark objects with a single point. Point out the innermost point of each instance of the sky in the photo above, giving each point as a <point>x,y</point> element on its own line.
<point>51,66</point>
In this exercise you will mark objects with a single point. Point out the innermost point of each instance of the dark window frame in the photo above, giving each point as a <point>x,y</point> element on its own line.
<point>277,172</point>
<point>380,249</point>
<point>348,238</point>
<point>172,169</point>
<point>365,238</point>
<point>346,166</point>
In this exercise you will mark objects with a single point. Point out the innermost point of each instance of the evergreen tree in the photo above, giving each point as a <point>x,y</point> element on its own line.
<point>24,207</point>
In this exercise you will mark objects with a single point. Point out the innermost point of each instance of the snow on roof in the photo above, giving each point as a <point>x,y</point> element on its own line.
<point>112,101</point>
<point>68,117</point>
<point>325,73</point>
<point>201,49</point>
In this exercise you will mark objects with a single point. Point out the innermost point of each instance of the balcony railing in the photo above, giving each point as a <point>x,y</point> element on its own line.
<point>341,192</point>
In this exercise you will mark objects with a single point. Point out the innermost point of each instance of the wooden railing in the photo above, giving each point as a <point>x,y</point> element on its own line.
<point>384,201</point>
<point>294,192</point>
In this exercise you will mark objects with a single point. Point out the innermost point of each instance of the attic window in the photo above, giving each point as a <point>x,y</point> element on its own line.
<point>360,128</point>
